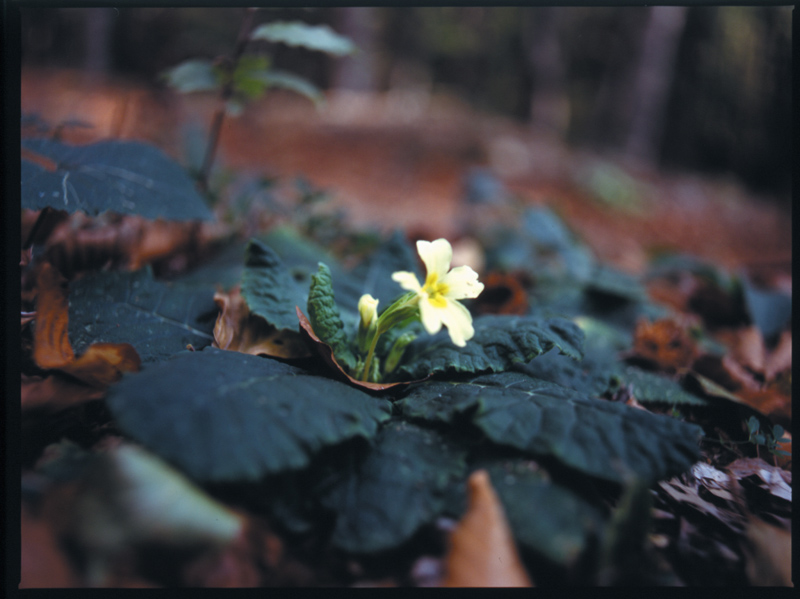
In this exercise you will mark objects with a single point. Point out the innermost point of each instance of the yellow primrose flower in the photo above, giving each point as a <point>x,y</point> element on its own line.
<point>438,297</point>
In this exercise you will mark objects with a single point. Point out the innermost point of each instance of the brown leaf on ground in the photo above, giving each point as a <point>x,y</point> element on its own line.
<point>56,392</point>
<point>774,480</point>
<point>780,359</point>
<point>747,347</point>
<point>502,294</point>
<point>52,348</point>
<point>666,343</point>
<point>482,551</point>
<point>237,329</point>
<point>101,364</point>
<point>769,554</point>
<point>325,351</point>
<point>42,563</point>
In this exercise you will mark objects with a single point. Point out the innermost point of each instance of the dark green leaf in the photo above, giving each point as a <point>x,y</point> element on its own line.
<point>229,416</point>
<point>124,177</point>
<point>194,75</point>
<point>544,516</point>
<point>591,375</point>
<point>269,288</point>
<point>601,438</point>
<point>499,343</point>
<point>294,33</point>
<point>383,498</point>
<point>649,387</point>
<point>158,319</point>
<point>302,256</point>
<point>323,314</point>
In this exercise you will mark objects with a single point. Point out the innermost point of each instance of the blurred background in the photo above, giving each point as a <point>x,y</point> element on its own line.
<point>610,78</point>
<point>645,127</point>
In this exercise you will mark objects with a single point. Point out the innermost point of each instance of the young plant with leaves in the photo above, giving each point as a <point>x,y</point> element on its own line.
<point>244,77</point>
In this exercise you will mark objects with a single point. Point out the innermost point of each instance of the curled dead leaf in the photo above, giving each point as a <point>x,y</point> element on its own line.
<point>42,562</point>
<point>326,353</point>
<point>52,348</point>
<point>237,329</point>
<point>666,343</point>
<point>502,294</point>
<point>769,554</point>
<point>482,551</point>
<point>56,392</point>
<point>101,364</point>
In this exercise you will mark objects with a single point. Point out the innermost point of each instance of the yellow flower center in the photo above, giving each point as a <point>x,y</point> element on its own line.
<point>436,291</point>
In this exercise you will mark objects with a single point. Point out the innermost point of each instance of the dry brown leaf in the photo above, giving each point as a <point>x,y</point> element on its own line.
<point>747,346</point>
<point>56,392</point>
<point>482,552</point>
<point>238,330</point>
<point>42,563</point>
<point>503,294</point>
<point>772,479</point>
<point>769,554</point>
<point>780,359</point>
<point>666,343</point>
<point>52,348</point>
<point>101,364</point>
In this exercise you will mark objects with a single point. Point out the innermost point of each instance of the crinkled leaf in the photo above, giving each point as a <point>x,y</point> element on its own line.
<point>605,439</point>
<point>194,75</point>
<point>499,343</point>
<point>269,288</point>
<point>323,314</point>
<point>302,257</point>
<point>544,516</point>
<point>125,177</point>
<point>649,387</point>
<point>383,498</point>
<point>593,375</point>
<point>313,37</point>
<point>229,416</point>
<point>158,319</point>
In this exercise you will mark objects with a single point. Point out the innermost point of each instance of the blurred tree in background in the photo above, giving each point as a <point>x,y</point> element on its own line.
<point>703,88</point>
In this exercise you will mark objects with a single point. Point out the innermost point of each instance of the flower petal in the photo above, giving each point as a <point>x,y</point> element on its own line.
<point>436,255</point>
<point>430,315</point>
<point>407,280</point>
<point>462,282</point>
<point>458,321</point>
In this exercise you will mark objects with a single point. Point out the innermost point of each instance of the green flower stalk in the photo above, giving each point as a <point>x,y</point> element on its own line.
<point>435,304</point>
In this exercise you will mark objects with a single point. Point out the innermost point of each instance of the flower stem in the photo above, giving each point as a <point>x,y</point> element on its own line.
<point>370,353</point>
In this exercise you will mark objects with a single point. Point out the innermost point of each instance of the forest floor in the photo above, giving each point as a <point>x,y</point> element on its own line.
<point>404,160</point>
<point>385,157</point>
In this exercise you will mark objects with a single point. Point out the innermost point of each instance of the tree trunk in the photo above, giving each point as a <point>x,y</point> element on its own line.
<point>652,81</point>
<point>357,72</point>
<point>549,105</point>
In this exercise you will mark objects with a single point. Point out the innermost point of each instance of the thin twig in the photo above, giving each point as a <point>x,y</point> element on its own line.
<point>225,95</point>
